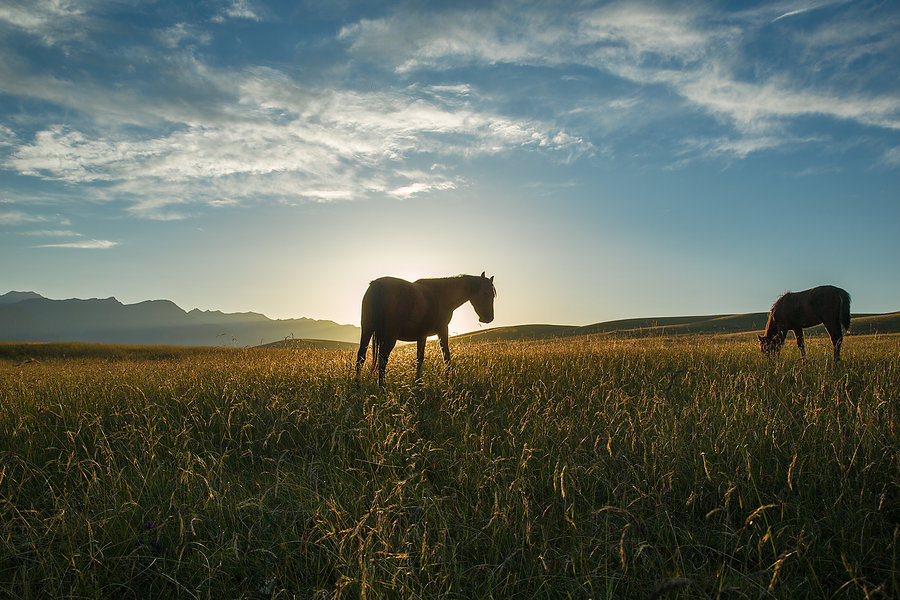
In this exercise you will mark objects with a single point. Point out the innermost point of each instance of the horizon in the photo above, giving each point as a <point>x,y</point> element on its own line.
<point>484,326</point>
<point>603,160</point>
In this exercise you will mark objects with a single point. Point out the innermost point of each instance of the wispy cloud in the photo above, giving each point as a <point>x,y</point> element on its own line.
<point>326,141</point>
<point>18,217</point>
<point>52,233</point>
<point>83,245</point>
<point>49,21</point>
<point>183,33</point>
<point>423,182</point>
<point>891,157</point>
<point>802,7</point>
<point>238,9</point>
<point>693,53</point>
<point>7,136</point>
<point>752,106</point>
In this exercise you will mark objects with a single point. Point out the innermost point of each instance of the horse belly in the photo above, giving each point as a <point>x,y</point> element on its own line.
<point>417,322</point>
<point>811,322</point>
<point>413,334</point>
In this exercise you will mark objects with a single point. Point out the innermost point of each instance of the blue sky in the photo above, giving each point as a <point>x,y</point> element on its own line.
<point>603,160</point>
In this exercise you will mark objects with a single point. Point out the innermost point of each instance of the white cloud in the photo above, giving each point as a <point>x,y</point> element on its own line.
<point>17,217</point>
<point>181,33</point>
<point>50,21</point>
<point>753,105</point>
<point>732,147</point>
<point>7,137</point>
<point>694,54</point>
<point>792,8</point>
<point>422,182</point>
<point>238,9</point>
<point>52,233</point>
<point>83,245</point>
<point>462,89</point>
<point>326,195</point>
<point>325,143</point>
<point>891,157</point>
<point>506,34</point>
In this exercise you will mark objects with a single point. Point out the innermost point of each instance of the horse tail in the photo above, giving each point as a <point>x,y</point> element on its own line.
<point>845,310</point>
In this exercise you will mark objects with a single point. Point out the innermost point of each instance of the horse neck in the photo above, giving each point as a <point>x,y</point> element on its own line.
<point>451,292</point>
<point>771,326</point>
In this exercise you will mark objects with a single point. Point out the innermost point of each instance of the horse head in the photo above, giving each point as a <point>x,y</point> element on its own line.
<point>483,298</point>
<point>770,345</point>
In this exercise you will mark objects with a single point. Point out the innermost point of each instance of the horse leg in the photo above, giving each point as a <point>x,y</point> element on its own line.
<point>837,338</point>
<point>799,333</point>
<point>420,357</point>
<point>361,353</point>
<point>445,348</point>
<point>384,351</point>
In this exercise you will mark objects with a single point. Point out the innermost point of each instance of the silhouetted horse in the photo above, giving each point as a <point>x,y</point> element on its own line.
<point>825,304</point>
<point>394,309</point>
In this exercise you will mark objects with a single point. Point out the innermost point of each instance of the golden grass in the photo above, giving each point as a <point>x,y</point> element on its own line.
<point>687,467</point>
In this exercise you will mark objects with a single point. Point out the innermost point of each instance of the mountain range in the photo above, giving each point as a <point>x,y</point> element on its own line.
<point>29,317</point>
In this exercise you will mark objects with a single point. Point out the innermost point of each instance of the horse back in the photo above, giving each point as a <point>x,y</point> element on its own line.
<point>822,304</point>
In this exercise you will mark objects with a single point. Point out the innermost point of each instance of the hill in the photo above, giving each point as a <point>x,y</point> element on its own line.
<point>713,324</point>
<point>885,323</point>
<point>29,317</point>
<point>306,344</point>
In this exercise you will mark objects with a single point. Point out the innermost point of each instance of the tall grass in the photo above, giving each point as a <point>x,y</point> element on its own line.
<point>665,467</point>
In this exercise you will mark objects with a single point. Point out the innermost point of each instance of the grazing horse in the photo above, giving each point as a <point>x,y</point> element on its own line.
<point>825,304</point>
<point>394,309</point>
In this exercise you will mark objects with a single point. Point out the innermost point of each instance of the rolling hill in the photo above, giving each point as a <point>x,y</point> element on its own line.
<point>714,324</point>
<point>307,344</point>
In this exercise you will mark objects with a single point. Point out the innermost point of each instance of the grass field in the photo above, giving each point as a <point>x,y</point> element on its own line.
<point>662,467</point>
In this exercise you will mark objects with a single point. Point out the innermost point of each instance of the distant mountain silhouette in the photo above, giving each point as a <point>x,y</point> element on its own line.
<point>29,317</point>
<point>886,323</point>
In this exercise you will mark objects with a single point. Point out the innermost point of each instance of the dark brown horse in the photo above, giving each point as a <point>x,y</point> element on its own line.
<point>825,304</point>
<point>394,309</point>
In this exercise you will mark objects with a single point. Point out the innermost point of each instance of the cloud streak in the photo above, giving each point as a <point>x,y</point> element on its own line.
<point>82,245</point>
<point>17,217</point>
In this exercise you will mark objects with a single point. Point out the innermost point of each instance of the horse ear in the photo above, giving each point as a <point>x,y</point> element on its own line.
<point>482,273</point>
<point>492,279</point>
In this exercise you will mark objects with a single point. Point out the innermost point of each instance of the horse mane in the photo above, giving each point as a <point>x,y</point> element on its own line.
<point>424,279</point>
<point>770,320</point>
<point>777,300</point>
<point>472,281</point>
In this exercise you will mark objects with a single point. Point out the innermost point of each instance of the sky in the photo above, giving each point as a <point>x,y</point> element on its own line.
<point>602,160</point>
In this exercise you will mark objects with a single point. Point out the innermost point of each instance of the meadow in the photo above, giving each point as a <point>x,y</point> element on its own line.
<point>589,467</point>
